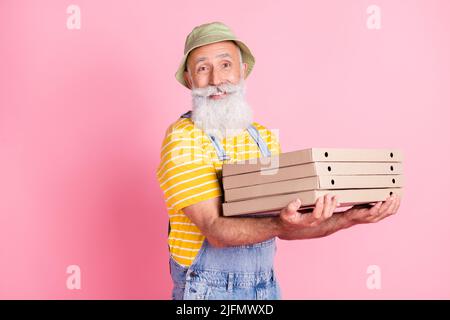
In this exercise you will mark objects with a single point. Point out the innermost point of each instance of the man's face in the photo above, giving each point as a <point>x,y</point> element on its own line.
<point>214,64</point>
<point>215,76</point>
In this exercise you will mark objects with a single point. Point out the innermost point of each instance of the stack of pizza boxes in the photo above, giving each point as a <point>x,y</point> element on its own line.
<point>266,185</point>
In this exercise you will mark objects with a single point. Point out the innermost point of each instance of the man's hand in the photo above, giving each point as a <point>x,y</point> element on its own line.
<point>291,220</point>
<point>322,222</point>
<point>372,213</point>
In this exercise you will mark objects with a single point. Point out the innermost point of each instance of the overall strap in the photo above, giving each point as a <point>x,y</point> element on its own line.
<point>259,141</point>
<point>221,154</point>
<point>215,142</point>
<point>186,114</point>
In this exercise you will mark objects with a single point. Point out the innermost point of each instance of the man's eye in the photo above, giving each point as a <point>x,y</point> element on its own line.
<point>226,65</point>
<point>202,69</point>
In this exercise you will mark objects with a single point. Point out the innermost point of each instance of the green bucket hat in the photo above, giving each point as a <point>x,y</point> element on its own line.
<point>211,33</point>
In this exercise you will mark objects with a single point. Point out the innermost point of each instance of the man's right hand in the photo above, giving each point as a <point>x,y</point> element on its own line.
<point>291,220</point>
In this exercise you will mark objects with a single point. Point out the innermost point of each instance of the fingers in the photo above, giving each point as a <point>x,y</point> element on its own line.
<point>293,206</point>
<point>379,211</point>
<point>392,203</point>
<point>330,206</point>
<point>397,204</point>
<point>386,204</point>
<point>318,209</point>
<point>324,207</point>
<point>391,208</point>
<point>376,208</point>
<point>289,213</point>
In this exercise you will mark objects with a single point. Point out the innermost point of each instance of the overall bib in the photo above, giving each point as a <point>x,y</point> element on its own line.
<point>240,272</point>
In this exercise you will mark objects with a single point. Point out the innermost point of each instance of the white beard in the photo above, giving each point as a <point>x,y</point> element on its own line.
<point>224,117</point>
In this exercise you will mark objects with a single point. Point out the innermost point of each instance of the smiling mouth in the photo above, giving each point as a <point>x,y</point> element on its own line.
<point>217,96</point>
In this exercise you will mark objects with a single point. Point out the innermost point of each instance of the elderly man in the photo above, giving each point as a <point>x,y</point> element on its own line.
<point>216,257</point>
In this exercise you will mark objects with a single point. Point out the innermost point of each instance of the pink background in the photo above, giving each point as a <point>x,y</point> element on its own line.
<point>83,113</point>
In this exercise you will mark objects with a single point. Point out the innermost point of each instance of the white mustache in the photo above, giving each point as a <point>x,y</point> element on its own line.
<point>210,90</point>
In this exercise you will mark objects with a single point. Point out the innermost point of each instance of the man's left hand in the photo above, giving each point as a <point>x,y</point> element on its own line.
<point>370,214</point>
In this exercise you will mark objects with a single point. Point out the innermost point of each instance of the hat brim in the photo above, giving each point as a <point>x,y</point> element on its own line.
<point>247,57</point>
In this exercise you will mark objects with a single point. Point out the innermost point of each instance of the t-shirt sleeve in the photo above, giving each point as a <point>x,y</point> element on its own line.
<point>186,174</point>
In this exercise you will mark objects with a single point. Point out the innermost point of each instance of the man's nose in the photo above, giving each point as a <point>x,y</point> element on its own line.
<point>214,78</point>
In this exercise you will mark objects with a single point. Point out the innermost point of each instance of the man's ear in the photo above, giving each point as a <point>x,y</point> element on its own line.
<point>187,79</point>
<point>244,69</point>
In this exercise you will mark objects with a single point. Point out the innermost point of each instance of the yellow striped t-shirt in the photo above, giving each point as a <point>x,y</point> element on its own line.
<point>190,171</point>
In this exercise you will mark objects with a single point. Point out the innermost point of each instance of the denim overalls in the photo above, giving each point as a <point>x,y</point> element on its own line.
<point>240,272</point>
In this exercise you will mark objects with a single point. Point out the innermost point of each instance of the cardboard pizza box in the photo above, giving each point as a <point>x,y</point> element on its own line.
<point>273,204</point>
<point>312,155</point>
<point>309,170</point>
<point>314,183</point>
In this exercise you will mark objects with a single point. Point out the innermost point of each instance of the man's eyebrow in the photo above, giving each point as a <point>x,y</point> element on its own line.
<point>200,59</point>
<point>223,55</point>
